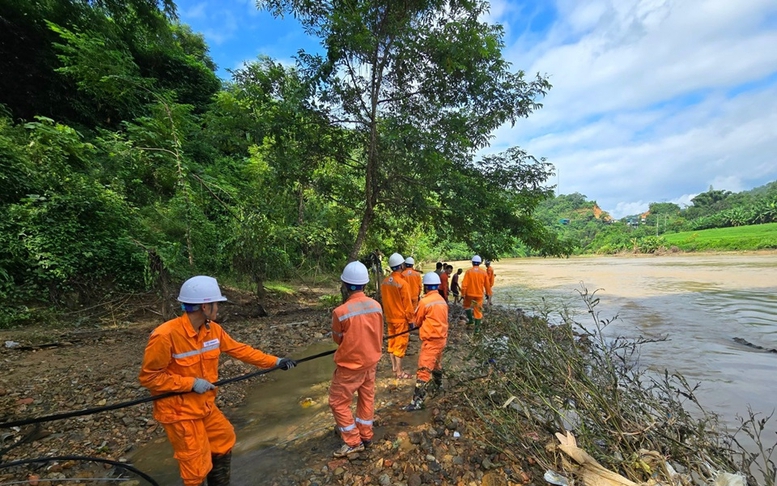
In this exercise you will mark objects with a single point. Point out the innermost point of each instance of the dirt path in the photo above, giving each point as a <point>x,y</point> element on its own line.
<point>84,368</point>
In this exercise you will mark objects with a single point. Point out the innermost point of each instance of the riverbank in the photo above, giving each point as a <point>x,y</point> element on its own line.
<point>487,427</point>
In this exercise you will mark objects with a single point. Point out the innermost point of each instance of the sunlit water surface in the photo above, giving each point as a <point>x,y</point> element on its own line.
<point>700,303</point>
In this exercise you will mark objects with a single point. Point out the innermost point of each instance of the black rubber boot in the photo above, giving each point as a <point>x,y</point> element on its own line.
<point>417,403</point>
<point>437,377</point>
<point>222,468</point>
<point>469,316</point>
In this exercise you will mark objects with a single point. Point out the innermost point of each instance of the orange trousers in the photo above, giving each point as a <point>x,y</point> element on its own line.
<point>478,305</point>
<point>430,358</point>
<point>346,383</point>
<point>398,345</point>
<point>195,440</point>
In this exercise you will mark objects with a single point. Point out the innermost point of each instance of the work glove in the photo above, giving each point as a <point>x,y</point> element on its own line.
<point>201,386</point>
<point>286,363</point>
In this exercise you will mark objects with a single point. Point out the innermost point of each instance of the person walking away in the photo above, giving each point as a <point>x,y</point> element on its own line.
<point>398,311</point>
<point>431,317</point>
<point>438,268</point>
<point>491,278</point>
<point>357,328</point>
<point>455,288</point>
<point>413,277</point>
<point>474,286</point>
<point>182,355</point>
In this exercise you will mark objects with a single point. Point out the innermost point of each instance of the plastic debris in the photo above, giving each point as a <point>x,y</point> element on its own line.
<point>12,344</point>
<point>456,434</point>
<point>555,478</point>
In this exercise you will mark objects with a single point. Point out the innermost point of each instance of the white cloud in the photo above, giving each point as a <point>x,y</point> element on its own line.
<point>639,111</point>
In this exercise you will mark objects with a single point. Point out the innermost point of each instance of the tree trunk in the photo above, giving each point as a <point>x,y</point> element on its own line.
<point>261,296</point>
<point>367,217</point>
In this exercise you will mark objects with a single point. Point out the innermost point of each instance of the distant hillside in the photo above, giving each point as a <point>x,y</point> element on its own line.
<point>756,237</point>
<point>592,230</point>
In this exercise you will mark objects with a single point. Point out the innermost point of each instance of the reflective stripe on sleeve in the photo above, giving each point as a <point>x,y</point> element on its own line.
<point>371,310</point>
<point>437,302</point>
<point>195,352</point>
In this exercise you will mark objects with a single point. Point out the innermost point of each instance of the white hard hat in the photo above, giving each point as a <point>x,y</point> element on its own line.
<point>395,260</point>
<point>355,273</point>
<point>431,278</point>
<point>200,290</point>
<point>410,261</point>
<point>476,259</point>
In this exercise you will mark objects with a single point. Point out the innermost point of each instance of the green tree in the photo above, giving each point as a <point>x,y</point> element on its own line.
<point>423,83</point>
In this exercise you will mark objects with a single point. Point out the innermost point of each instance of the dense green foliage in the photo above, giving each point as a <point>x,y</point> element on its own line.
<point>592,231</point>
<point>128,165</point>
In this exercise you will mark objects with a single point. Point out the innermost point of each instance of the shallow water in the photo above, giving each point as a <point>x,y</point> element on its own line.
<point>700,302</point>
<point>289,406</point>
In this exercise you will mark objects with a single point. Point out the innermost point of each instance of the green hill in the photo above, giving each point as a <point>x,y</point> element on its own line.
<point>754,237</point>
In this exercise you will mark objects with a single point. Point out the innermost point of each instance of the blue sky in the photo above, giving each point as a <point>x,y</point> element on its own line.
<point>652,100</point>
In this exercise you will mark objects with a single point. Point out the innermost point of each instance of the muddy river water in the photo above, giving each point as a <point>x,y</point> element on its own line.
<point>699,302</point>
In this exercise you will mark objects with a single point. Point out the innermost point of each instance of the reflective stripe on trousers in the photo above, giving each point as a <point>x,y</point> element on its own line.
<point>430,358</point>
<point>346,383</point>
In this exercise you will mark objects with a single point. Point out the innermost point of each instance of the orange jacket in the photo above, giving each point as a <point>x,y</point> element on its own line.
<point>357,326</point>
<point>432,316</point>
<point>176,355</point>
<point>444,285</point>
<point>397,300</point>
<point>491,277</point>
<point>475,283</point>
<point>413,278</point>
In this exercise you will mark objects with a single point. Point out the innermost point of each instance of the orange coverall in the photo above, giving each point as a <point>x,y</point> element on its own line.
<point>432,317</point>
<point>491,277</point>
<point>444,285</point>
<point>413,278</point>
<point>357,326</point>
<point>398,310</point>
<point>175,356</point>
<point>473,286</point>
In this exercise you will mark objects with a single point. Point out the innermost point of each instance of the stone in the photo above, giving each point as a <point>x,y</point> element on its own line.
<point>414,480</point>
<point>384,480</point>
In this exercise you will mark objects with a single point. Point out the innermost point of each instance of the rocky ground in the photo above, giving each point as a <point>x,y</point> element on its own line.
<point>55,369</point>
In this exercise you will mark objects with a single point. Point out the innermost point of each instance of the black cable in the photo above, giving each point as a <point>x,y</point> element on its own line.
<point>138,401</point>
<point>122,465</point>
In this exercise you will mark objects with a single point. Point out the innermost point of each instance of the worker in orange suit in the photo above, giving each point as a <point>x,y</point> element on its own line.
<point>182,355</point>
<point>444,285</point>
<point>491,278</point>
<point>398,311</point>
<point>357,327</point>
<point>431,317</point>
<point>413,277</point>
<point>474,286</point>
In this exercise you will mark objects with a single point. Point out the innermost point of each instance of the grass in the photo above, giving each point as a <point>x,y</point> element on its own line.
<point>755,237</point>
<point>529,380</point>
